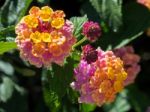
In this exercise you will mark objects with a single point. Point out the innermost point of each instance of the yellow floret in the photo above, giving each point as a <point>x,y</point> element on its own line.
<point>105,86</point>
<point>34,11</point>
<point>46,37</point>
<point>46,13</point>
<point>121,76</point>
<point>31,21</point>
<point>111,73</point>
<point>118,86</point>
<point>57,23</point>
<point>36,37</point>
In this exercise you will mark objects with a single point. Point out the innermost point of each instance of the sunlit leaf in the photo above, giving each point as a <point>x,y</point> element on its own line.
<point>87,107</point>
<point>4,65</point>
<point>76,55</point>
<point>6,89</point>
<point>51,98</point>
<point>78,23</point>
<point>110,11</point>
<point>121,104</point>
<point>56,81</point>
<point>7,46</point>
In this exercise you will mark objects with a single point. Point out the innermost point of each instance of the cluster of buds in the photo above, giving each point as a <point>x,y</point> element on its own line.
<point>100,79</point>
<point>130,60</point>
<point>44,36</point>
<point>89,54</point>
<point>91,30</point>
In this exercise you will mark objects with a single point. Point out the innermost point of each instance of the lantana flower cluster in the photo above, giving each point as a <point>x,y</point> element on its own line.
<point>44,36</point>
<point>130,60</point>
<point>98,80</point>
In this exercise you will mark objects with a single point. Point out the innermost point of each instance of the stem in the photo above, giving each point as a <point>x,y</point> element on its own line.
<point>79,43</point>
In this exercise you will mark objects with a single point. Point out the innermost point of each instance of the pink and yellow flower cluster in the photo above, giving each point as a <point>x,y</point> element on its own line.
<point>130,60</point>
<point>44,36</point>
<point>144,2</point>
<point>99,80</point>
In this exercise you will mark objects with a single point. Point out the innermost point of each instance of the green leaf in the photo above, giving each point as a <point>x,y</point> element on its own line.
<point>26,71</point>
<point>2,110</point>
<point>121,104</point>
<point>43,2</point>
<point>6,30</point>
<point>12,11</point>
<point>135,21</point>
<point>128,40</point>
<point>88,9</point>
<point>110,11</point>
<point>56,81</point>
<point>16,100</point>
<point>87,107</point>
<point>61,77</point>
<point>76,55</point>
<point>19,89</point>
<point>139,100</point>
<point>6,46</point>
<point>51,98</point>
<point>4,65</point>
<point>8,33</point>
<point>6,89</point>
<point>23,8</point>
<point>78,23</point>
<point>72,95</point>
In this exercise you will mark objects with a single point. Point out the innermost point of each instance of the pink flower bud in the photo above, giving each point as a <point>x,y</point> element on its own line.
<point>91,30</point>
